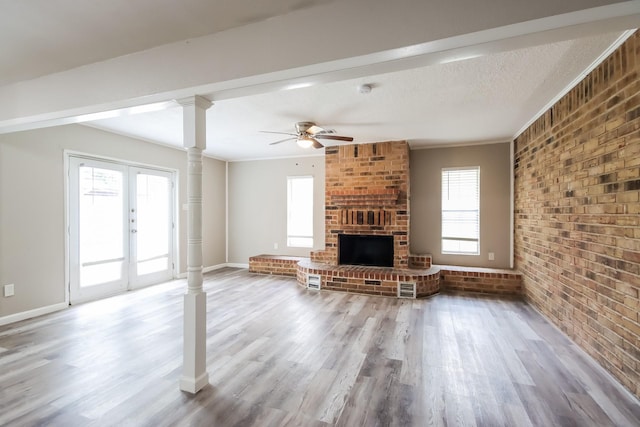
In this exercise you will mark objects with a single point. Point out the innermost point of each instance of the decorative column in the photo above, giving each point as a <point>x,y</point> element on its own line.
<point>194,370</point>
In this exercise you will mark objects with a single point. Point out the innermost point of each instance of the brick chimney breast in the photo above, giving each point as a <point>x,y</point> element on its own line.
<point>367,193</point>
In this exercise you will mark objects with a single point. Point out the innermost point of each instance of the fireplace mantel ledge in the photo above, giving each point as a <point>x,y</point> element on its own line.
<point>378,198</point>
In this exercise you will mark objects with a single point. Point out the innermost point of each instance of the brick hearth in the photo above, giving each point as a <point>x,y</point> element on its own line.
<point>370,280</point>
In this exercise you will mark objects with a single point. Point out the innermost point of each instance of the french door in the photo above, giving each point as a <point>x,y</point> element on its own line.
<point>120,227</point>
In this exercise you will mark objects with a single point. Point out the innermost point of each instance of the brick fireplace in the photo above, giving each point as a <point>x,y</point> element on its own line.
<point>367,193</point>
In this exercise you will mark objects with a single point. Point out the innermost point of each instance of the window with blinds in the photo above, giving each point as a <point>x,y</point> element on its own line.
<point>300,211</point>
<point>461,211</point>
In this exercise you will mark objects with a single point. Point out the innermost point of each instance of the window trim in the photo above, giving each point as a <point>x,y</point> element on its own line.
<point>442,210</point>
<point>290,236</point>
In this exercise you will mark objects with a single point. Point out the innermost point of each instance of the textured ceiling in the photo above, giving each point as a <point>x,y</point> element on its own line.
<point>482,99</point>
<point>70,61</point>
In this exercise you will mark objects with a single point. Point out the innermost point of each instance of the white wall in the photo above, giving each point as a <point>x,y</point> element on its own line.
<point>32,207</point>
<point>495,174</point>
<point>258,206</point>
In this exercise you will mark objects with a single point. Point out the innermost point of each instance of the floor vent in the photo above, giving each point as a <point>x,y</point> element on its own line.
<point>406,290</point>
<point>314,281</point>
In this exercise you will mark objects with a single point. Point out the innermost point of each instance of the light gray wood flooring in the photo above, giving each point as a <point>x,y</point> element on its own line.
<point>279,355</point>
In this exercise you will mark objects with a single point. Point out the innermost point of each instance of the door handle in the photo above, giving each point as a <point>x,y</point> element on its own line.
<point>134,230</point>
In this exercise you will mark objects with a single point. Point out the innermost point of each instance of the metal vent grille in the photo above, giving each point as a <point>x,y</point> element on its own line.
<point>314,281</point>
<point>406,290</point>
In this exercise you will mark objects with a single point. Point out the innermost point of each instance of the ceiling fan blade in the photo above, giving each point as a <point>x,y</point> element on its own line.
<point>316,143</point>
<point>315,129</point>
<point>335,137</point>
<point>280,133</point>
<point>282,140</point>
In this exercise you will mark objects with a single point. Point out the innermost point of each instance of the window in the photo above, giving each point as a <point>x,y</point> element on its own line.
<point>461,211</point>
<point>300,211</point>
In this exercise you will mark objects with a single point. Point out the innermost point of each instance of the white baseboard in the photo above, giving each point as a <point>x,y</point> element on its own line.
<point>237,265</point>
<point>215,267</point>
<point>12,318</point>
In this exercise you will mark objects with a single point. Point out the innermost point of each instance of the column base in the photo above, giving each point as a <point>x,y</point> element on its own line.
<point>194,385</point>
<point>194,370</point>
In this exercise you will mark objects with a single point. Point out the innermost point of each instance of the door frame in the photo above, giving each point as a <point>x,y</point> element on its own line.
<point>67,154</point>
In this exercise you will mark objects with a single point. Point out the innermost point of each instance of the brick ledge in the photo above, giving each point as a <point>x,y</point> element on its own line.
<point>359,279</point>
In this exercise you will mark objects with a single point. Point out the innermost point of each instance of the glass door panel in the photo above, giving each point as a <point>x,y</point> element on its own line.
<point>99,232</point>
<point>152,225</point>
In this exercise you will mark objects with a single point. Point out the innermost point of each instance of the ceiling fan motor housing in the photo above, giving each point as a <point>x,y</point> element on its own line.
<point>303,126</point>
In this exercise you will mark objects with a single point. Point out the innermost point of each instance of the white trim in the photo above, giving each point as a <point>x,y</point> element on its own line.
<point>176,223</point>
<point>67,228</point>
<point>214,267</point>
<point>237,265</point>
<point>12,318</point>
<point>512,193</point>
<point>206,270</point>
<point>124,162</point>
<point>458,144</point>
<point>226,212</point>
<point>616,44</point>
<point>259,159</point>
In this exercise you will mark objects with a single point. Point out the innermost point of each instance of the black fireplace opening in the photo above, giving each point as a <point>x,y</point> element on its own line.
<point>361,249</point>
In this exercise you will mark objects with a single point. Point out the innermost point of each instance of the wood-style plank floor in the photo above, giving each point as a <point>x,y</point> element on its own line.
<point>279,355</point>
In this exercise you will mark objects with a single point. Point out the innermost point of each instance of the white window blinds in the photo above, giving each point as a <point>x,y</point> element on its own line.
<point>461,211</point>
<point>300,211</point>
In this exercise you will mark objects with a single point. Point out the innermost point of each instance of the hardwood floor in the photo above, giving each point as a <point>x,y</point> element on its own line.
<point>279,355</point>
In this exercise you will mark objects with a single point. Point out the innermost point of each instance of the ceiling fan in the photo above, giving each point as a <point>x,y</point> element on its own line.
<point>307,135</point>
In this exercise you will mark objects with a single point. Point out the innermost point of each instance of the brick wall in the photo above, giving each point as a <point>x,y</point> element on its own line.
<point>577,213</point>
<point>366,192</point>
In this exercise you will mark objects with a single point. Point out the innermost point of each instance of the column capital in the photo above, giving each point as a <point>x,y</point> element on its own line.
<point>197,100</point>
<point>194,118</point>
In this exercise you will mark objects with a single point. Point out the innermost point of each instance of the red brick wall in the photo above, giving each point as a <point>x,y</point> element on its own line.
<point>577,213</point>
<point>367,188</point>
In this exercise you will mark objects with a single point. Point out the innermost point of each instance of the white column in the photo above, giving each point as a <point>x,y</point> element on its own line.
<point>194,370</point>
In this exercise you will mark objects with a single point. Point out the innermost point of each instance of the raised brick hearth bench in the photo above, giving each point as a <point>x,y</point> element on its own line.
<point>280,265</point>
<point>384,281</point>
<point>370,280</point>
<point>491,281</point>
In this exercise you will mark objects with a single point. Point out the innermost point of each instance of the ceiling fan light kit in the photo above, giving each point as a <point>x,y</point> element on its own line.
<point>305,142</point>
<point>307,135</point>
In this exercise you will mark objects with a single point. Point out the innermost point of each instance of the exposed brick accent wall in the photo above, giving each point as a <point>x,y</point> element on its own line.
<point>367,192</point>
<point>577,213</point>
<point>488,281</point>
<point>279,265</point>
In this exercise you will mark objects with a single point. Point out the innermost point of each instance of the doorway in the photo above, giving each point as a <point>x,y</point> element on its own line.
<point>121,227</point>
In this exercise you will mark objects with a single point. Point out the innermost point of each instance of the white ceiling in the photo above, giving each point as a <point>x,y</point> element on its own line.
<point>486,98</point>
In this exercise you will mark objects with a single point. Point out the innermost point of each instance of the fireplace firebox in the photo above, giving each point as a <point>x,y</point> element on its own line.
<point>361,249</point>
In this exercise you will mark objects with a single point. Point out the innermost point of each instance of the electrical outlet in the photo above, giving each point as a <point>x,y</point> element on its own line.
<point>492,256</point>
<point>9,290</point>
